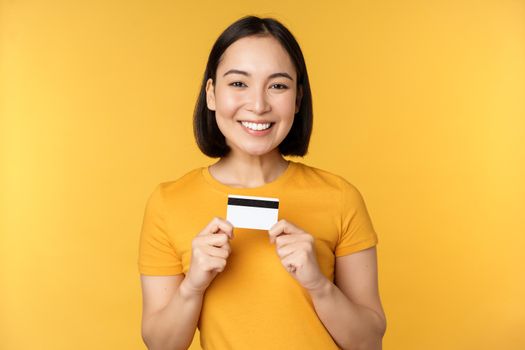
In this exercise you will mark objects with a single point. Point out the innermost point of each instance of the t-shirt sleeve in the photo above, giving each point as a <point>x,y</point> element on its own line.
<point>357,231</point>
<point>157,255</point>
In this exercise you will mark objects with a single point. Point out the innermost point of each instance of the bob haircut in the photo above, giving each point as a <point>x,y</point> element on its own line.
<point>208,135</point>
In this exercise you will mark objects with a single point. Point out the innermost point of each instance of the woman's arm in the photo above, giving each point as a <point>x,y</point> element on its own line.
<point>172,304</point>
<point>351,308</point>
<point>171,312</point>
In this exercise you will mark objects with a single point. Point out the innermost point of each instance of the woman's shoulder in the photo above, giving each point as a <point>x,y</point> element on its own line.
<point>333,184</point>
<point>186,181</point>
<point>314,174</point>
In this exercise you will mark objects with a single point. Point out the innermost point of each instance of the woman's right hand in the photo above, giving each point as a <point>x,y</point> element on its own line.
<point>210,249</point>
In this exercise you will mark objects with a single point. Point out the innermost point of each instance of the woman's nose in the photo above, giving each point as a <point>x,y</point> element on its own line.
<point>259,101</point>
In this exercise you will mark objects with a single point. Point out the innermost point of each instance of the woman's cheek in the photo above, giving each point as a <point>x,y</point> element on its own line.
<point>230,103</point>
<point>287,105</point>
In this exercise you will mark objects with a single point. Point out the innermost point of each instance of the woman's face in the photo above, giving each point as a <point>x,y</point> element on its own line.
<point>256,87</point>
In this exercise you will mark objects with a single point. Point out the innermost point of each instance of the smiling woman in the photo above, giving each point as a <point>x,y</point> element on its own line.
<point>310,281</point>
<point>259,99</point>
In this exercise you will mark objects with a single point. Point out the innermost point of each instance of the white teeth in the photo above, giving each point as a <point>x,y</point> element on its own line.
<point>256,126</point>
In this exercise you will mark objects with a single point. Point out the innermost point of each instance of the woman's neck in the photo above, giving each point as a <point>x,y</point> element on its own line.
<point>242,170</point>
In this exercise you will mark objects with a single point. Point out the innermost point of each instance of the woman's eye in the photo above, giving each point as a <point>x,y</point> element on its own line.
<point>236,82</point>
<point>240,84</point>
<point>282,86</point>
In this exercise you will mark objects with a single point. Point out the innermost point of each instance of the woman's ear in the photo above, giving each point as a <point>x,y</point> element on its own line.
<point>210,94</point>
<point>298,99</point>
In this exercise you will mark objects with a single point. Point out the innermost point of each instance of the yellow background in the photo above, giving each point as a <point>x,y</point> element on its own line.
<point>420,104</point>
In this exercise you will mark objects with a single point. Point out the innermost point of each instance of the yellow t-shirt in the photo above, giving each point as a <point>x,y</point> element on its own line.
<point>255,303</point>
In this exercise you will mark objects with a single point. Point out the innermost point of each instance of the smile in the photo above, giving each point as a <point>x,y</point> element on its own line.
<point>257,126</point>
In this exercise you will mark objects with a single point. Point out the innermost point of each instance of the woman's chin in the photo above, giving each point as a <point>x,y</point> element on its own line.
<point>253,149</point>
<point>255,152</point>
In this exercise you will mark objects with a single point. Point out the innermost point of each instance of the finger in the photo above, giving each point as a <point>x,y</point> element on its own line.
<point>225,246</point>
<point>209,227</point>
<point>282,227</point>
<point>276,226</point>
<point>276,230</point>
<point>217,239</point>
<point>215,264</point>
<point>216,225</point>
<point>284,239</point>
<point>217,252</point>
<point>283,252</point>
<point>221,225</point>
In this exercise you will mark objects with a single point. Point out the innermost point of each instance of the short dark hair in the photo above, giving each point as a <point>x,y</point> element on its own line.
<point>208,135</point>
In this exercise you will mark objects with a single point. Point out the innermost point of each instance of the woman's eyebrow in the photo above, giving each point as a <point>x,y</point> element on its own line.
<point>274,75</point>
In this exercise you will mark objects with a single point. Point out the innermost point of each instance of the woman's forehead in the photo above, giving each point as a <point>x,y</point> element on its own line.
<point>256,55</point>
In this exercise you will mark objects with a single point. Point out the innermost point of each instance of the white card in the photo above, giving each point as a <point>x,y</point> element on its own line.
<point>258,213</point>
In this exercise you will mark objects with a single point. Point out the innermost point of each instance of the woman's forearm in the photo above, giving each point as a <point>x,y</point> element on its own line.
<point>174,326</point>
<point>352,326</point>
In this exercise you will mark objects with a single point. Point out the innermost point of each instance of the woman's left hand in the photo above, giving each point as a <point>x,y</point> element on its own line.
<point>296,250</point>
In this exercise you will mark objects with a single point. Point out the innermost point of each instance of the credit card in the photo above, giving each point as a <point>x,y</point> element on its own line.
<point>258,213</point>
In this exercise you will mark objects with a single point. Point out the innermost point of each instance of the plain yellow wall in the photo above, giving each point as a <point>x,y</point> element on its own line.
<point>420,104</point>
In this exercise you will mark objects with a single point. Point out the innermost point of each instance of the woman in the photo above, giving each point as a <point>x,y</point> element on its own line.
<point>310,281</point>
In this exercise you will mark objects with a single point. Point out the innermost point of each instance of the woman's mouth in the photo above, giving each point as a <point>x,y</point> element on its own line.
<point>257,129</point>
